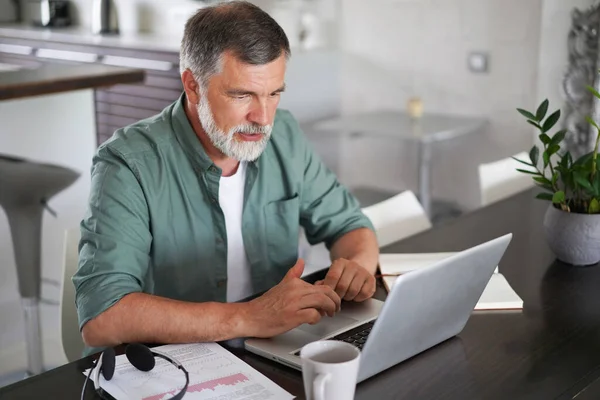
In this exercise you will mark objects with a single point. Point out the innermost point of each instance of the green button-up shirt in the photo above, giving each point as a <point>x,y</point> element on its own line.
<point>154,224</point>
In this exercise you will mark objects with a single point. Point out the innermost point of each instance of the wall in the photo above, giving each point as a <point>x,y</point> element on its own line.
<point>405,48</point>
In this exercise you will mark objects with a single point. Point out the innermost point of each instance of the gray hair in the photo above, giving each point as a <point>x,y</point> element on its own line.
<point>242,28</point>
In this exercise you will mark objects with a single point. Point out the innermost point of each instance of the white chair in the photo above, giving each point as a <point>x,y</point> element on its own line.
<point>500,179</point>
<point>394,219</point>
<point>69,324</point>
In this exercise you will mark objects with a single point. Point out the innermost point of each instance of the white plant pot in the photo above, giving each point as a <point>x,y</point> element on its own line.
<point>573,238</point>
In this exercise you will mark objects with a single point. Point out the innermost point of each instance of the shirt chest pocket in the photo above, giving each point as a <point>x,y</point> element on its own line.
<point>282,222</point>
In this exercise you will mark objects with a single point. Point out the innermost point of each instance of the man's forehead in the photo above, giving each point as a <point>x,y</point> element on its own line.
<point>230,64</point>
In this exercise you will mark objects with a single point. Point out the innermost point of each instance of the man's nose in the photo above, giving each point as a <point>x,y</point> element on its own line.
<point>260,114</point>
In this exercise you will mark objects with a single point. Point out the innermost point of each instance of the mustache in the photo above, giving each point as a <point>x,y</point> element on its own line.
<point>261,129</point>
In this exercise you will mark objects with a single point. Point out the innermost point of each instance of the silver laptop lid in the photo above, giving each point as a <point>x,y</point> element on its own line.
<point>428,306</point>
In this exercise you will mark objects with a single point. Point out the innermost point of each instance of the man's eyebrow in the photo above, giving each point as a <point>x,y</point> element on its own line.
<point>239,92</point>
<point>281,89</point>
<point>243,92</point>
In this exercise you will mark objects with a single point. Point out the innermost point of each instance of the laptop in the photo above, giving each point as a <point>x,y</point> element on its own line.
<point>424,308</point>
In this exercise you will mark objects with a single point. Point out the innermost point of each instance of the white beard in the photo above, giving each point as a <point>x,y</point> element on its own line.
<point>226,142</point>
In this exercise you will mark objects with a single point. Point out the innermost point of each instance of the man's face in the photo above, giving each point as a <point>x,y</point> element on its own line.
<point>237,108</point>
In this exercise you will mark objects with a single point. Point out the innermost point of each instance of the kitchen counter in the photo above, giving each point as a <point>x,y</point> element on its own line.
<point>52,79</point>
<point>80,35</point>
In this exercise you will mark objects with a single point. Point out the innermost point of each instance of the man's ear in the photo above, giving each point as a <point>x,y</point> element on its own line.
<point>190,86</point>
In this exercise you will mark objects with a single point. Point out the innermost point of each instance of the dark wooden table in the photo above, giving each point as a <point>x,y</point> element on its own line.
<point>51,79</point>
<point>550,350</point>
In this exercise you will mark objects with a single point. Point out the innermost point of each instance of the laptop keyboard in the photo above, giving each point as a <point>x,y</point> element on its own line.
<point>355,336</point>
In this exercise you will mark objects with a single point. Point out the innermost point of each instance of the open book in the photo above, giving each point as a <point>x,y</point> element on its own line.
<point>498,294</point>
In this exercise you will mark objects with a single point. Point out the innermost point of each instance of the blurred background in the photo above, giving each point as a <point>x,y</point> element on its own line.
<point>394,95</point>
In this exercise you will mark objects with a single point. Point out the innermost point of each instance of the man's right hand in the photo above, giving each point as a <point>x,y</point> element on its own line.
<point>291,303</point>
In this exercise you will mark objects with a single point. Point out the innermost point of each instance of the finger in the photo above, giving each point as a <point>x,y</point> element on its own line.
<point>334,274</point>
<point>345,281</point>
<point>368,290</point>
<point>319,301</point>
<point>355,286</point>
<point>308,316</point>
<point>296,271</point>
<point>333,296</point>
<point>318,283</point>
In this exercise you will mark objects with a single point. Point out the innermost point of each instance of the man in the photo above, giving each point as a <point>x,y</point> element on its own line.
<point>201,205</point>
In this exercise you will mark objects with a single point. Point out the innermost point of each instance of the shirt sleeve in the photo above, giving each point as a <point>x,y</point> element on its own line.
<point>115,237</point>
<point>328,210</point>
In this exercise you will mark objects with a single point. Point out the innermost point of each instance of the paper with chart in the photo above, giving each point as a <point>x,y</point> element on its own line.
<point>215,374</point>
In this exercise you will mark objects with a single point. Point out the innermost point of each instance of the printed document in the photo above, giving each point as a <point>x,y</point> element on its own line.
<point>215,373</point>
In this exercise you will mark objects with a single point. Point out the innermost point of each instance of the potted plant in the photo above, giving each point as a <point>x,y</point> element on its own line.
<point>572,221</point>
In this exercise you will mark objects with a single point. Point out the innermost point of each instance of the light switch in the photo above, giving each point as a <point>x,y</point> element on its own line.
<point>478,62</point>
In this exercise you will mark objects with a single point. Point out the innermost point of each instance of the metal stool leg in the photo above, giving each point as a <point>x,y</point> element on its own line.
<point>33,336</point>
<point>25,224</point>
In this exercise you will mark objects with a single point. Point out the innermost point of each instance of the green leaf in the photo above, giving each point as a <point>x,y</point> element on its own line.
<point>522,162</point>
<point>528,172</point>
<point>596,185</point>
<point>535,124</point>
<point>558,197</point>
<point>546,158</point>
<point>591,121</point>
<point>558,137</point>
<point>545,187</point>
<point>526,114</point>
<point>545,138</point>
<point>554,178</point>
<point>541,111</point>
<point>551,121</point>
<point>544,196</point>
<point>565,161</point>
<point>541,179</point>
<point>584,160</point>
<point>534,155</point>
<point>581,180</point>
<point>594,92</point>
<point>594,207</point>
<point>553,149</point>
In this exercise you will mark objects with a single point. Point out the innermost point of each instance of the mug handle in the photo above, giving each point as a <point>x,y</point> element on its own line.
<point>319,386</point>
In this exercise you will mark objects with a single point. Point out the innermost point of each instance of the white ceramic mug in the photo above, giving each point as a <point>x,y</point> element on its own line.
<point>329,370</point>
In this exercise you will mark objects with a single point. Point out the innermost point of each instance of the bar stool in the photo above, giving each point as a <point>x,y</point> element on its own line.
<point>25,188</point>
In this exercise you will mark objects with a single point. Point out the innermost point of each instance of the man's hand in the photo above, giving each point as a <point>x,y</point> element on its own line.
<point>291,303</point>
<point>349,280</point>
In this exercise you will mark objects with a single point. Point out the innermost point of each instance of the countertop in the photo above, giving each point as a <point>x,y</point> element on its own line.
<point>62,78</point>
<point>80,35</point>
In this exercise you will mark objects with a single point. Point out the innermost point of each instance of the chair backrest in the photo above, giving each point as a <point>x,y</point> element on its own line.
<point>500,179</point>
<point>398,217</point>
<point>69,324</point>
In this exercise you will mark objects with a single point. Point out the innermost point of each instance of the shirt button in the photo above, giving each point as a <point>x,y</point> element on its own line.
<point>221,283</point>
<point>212,169</point>
<point>219,240</point>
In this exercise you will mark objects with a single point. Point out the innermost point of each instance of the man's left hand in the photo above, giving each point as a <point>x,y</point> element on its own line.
<point>349,280</point>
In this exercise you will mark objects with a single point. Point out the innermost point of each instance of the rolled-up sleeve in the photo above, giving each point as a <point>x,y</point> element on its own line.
<point>328,210</point>
<point>115,237</point>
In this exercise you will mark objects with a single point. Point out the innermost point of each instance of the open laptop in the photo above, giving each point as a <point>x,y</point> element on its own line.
<point>424,308</point>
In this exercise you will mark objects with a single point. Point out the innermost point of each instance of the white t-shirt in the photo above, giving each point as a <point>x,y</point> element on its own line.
<point>231,200</point>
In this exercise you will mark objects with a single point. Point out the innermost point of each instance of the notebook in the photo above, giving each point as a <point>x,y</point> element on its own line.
<point>498,294</point>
